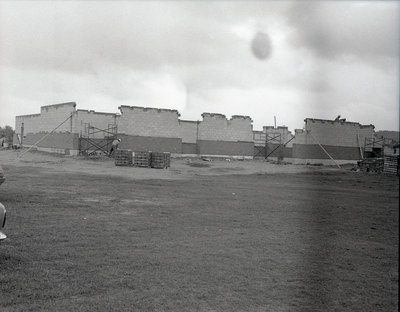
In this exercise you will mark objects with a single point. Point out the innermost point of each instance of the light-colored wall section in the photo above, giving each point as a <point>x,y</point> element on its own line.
<point>145,121</point>
<point>30,123</point>
<point>335,133</point>
<point>259,138</point>
<point>100,120</point>
<point>188,130</point>
<point>281,132</point>
<point>50,117</point>
<point>217,127</point>
<point>53,115</point>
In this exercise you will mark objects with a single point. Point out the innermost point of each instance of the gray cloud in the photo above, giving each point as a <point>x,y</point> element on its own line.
<point>104,54</point>
<point>333,29</point>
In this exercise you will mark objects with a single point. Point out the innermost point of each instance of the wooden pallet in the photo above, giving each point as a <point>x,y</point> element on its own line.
<point>391,165</point>
<point>123,157</point>
<point>142,159</point>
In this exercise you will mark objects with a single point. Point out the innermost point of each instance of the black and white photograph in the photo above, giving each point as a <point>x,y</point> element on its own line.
<point>205,156</point>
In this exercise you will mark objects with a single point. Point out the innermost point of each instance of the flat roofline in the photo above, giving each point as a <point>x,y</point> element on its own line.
<point>94,112</point>
<point>190,121</point>
<point>150,108</point>
<point>338,121</point>
<point>60,104</point>
<point>28,115</point>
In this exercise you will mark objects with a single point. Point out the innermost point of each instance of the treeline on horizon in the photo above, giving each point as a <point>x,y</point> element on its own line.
<point>7,132</point>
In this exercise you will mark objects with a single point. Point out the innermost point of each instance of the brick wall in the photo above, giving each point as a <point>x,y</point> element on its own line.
<point>141,121</point>
<point>49,118</point>
<point>217,127</point>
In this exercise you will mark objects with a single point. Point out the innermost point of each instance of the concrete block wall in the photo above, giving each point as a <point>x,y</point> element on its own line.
<point>283,131</point>
<point>259,138</point>
<point>342,140</point>
<point>217,127</point>
<point>27,124</point>
<point>62,142</point>
<point>225,148</point>
<point>100,120</point>
<point>335,133</point>
<point>188,131</point>
<point>49,118</point>
<point>154,144</point>
<point>149,122</point>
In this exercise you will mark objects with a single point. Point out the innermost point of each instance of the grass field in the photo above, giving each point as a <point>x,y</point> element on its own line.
<point>315,240</point>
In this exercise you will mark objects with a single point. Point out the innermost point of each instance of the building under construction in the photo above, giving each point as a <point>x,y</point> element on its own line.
<point>61,128</point>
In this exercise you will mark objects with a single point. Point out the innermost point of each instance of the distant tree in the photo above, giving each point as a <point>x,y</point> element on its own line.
<point>8,132</point>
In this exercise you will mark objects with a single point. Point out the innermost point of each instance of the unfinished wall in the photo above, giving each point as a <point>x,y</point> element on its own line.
<point>154,144</point>
<point>143,121</point>
<point>188,133</point>
<point>27,124</point>
<point>83,118</point>
<point>63,143</point>
<point>219,136</point>
<point>50,117</point>
<point>217,127</point>
<point>342,140</point>
<point>149,129</point>
<point>271,142</point>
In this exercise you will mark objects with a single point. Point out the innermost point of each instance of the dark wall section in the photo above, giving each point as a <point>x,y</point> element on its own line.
<point>154,144</point>
<point>276,150</point>
<point>314,151</point>
<point>54,140</point>
<point>273,150</point>
<point>239,148</point>
<point>189,148</point>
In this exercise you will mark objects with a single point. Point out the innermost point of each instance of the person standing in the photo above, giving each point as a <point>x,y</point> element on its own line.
<point>114,146</point>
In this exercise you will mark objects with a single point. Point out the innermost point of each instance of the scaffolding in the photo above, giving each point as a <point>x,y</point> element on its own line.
<point>94,141</point>
<point>271,141</point>
<point>374,147</point>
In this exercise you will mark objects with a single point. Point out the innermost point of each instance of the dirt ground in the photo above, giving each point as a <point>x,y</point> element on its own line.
<point>85,235</point>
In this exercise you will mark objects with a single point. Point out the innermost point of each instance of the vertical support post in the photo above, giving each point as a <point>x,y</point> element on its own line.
<point>359,146</point>
<point>22,133</point>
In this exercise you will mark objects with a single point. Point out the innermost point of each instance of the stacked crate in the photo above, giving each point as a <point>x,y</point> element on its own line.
<point>123,157</point>
<point>371,165</point>
<point>158,160</point>
<point>391,164</point>
<point>142,159</point>
<point>167,159</point>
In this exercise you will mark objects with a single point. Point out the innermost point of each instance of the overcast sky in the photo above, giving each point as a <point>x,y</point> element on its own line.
<point>291,60</point>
